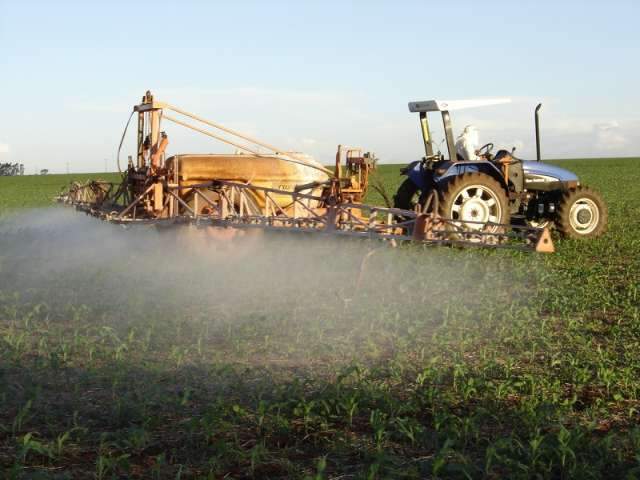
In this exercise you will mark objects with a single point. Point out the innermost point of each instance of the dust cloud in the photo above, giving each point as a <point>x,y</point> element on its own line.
<point>317,285</point>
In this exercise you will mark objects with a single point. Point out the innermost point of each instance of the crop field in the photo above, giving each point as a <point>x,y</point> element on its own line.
<point>170,355</point>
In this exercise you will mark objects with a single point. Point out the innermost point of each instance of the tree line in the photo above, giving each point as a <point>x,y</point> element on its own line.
<point>11,169</point>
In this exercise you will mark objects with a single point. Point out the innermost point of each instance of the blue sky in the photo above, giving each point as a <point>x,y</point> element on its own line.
<point>309,75</point>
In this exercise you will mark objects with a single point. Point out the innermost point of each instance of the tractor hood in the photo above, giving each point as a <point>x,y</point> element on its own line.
<point>539,172</point>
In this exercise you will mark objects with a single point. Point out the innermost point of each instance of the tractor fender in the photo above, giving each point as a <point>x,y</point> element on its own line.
<point>417,174</point>
<point>455,169</point>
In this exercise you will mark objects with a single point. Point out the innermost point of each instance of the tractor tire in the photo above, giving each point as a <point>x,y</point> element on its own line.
<point>582,213</point>
<point>474,197</point>
<point>407,195</point>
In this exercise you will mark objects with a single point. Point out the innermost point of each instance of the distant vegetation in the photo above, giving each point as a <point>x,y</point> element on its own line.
<point>11,169</point>
<point>30,191</point>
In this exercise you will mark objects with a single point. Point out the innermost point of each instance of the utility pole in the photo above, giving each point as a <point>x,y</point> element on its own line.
<point>67,168</point>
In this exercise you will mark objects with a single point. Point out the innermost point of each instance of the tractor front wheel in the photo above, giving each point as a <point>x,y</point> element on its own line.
<point>582,213</point>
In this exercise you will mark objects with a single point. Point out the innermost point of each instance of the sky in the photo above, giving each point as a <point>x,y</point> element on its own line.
<point>309,75</point>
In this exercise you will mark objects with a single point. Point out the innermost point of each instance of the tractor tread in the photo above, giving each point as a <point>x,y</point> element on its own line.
<point>403,198</point>
<point>454,184</point>
<point>568,198</point>
<point>450,189</point>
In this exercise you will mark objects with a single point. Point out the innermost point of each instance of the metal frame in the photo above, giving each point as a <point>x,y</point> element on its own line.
<point>448,133</point>
<point>152,193</point>
<point>446,106</point>
<point>236,208</point>
<point>151,113</point>
<point>537,123</point>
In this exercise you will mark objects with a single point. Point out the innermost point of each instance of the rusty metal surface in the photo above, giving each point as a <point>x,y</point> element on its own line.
<point>234,206</point>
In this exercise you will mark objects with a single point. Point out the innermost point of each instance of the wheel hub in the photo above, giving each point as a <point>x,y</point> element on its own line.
<point>584,216</point>
<point>476,203</point>
<point>474,210</point>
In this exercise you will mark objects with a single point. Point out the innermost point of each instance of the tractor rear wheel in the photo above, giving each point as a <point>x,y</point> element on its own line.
<point>581,213</point>
<point>474,197</point>
<point>407,196</point>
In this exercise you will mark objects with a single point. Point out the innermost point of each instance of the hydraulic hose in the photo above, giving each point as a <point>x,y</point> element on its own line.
<point>122,141</point>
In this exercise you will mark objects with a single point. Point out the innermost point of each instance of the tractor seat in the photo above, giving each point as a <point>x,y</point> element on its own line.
<point>504,156</point>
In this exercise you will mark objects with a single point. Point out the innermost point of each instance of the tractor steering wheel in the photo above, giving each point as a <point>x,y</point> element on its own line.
<point>485,151</point>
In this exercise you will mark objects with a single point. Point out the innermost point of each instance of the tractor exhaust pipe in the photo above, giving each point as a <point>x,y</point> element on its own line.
<point>537,117</point>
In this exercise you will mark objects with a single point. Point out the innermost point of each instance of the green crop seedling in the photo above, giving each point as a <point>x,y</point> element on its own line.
<point>443,363</point>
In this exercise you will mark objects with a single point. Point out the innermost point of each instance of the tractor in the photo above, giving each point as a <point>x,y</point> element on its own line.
<point>496,189</point>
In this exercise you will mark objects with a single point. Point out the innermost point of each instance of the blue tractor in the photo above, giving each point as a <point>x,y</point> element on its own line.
<point>494,189</point>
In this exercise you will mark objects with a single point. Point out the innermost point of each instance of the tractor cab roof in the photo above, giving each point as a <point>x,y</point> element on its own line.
<point>448,105</point>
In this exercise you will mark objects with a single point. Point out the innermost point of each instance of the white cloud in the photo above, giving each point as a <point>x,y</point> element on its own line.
<point>316,121</point>
<point>610,137</point>
<point>613,124</point>
<point>4,147</point>
<point>563,135</point>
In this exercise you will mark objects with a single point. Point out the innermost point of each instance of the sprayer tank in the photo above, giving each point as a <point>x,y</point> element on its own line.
<point>269,171</point>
